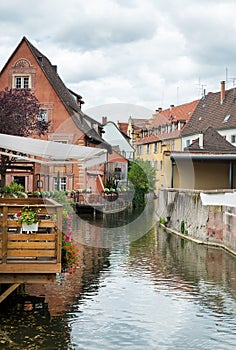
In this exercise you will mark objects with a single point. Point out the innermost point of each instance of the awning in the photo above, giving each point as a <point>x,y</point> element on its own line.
<point>51,152</point>
<point>202,156</point>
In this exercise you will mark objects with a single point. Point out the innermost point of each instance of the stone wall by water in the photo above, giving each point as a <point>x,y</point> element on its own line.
<point>186,214</point>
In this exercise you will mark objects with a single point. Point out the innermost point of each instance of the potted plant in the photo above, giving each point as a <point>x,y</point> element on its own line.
<point>29,218</point>
<point>72,193</point>
<point>36,194</point>
<point>14,190</point>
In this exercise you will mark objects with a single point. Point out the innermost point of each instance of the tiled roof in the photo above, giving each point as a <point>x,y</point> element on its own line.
<point>123,127</point>
<point>212,142</point>
<point>167,116</point>
<point>170,135</point>
<point>175,113</point>
<point>211,112</point>
<point>148,139</point>
<point>159,119</point>
<point>80,119</point>
<point>138,123</point>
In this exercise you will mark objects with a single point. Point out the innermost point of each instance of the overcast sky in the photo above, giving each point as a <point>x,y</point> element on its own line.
<point>149,53</point>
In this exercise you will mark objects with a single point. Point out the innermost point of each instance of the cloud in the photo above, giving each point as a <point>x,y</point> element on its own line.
<point>152,53</point>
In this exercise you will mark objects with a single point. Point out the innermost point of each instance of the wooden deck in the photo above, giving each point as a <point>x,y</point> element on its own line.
<point>24,254</point>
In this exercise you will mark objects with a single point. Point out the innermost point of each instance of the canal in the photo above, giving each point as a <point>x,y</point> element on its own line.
<point>139,288</point>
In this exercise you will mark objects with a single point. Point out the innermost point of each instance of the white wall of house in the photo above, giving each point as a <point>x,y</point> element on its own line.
<point>229,134</point>
<point>115,138</point>
<point>187,140</point>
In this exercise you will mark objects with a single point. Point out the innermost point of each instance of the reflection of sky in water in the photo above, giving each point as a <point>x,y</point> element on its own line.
<point>131,311</point>
<point>158,292</point>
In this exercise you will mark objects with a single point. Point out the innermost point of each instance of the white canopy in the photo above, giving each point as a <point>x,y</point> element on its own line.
<point>52,152</point>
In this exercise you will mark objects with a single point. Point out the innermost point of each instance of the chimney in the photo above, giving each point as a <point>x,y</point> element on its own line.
<point>104,120</point>
<point>200,140</point>
<point>171,106</point>
<point>40,59</point>
<point>159,109</point>
<point>222,91</point>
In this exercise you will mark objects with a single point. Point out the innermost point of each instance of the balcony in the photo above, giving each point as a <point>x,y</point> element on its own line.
<point>29,257</point>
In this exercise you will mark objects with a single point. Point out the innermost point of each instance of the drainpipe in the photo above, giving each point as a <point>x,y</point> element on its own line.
<point>172,174</point>
<point>231,175</point>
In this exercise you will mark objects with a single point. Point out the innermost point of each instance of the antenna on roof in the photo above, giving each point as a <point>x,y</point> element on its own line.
<point>233,81</point>
<point>201,89</point>
<point>234,84</point>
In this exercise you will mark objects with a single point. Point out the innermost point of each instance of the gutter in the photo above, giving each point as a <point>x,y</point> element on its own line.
<point>202,156</point>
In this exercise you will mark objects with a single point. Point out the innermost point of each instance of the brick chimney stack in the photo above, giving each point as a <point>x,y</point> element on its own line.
<point>222,91</point>
<point>104,120</point>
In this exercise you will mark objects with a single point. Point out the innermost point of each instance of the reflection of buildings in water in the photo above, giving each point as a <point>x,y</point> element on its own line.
<point>91,234</point>
<point>26,324</point>
<point>101,233</point>
<point>182,265</point>
<point>69,287</point>
<point>115,228</point>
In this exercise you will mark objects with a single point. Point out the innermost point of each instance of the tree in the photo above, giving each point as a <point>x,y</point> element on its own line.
<point>19,115</point>
<point>142,175</point>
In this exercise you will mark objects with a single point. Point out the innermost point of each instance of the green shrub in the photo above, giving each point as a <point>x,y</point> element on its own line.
<point>182,226</point>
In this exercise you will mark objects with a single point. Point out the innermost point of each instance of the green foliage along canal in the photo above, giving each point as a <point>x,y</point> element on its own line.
<point>150,291</point>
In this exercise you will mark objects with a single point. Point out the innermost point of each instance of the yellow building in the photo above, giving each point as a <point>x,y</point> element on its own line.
<point>160,136</point>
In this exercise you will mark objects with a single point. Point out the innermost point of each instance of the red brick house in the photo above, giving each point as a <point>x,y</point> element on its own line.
<point>28,68</point>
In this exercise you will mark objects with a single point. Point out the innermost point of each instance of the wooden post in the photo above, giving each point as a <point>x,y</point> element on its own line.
<point>4,234</point>
<point>59,233</point>
<point>8,291</point>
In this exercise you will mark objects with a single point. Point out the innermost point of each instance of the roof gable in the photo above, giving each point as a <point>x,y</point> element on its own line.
<point>50,72</point>
<point>67,97</point>
<point>212,142</point>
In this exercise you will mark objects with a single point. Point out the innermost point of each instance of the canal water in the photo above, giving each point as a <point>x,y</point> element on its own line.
<point>139,288</point>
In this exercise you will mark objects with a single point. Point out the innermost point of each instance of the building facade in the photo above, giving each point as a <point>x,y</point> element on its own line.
<point>28,68</point>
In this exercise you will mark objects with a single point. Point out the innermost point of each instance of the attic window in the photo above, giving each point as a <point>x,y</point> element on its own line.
<point>22,75</point>
<point>21,82</point>
<point>226,118</point>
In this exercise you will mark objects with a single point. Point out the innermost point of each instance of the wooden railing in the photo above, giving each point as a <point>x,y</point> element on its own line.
<point>106,202</point>
<point>38,252</point>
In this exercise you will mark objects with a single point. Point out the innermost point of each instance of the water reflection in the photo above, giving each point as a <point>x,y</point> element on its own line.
<point>155,292</point>
<point>108,231</point>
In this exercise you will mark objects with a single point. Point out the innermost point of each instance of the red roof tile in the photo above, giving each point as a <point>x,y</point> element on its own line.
<point>148,139</point>
<point>181,112</point>
<point>123,127</point>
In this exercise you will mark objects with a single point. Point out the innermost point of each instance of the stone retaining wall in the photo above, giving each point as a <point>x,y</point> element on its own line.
<point>209,224</point>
